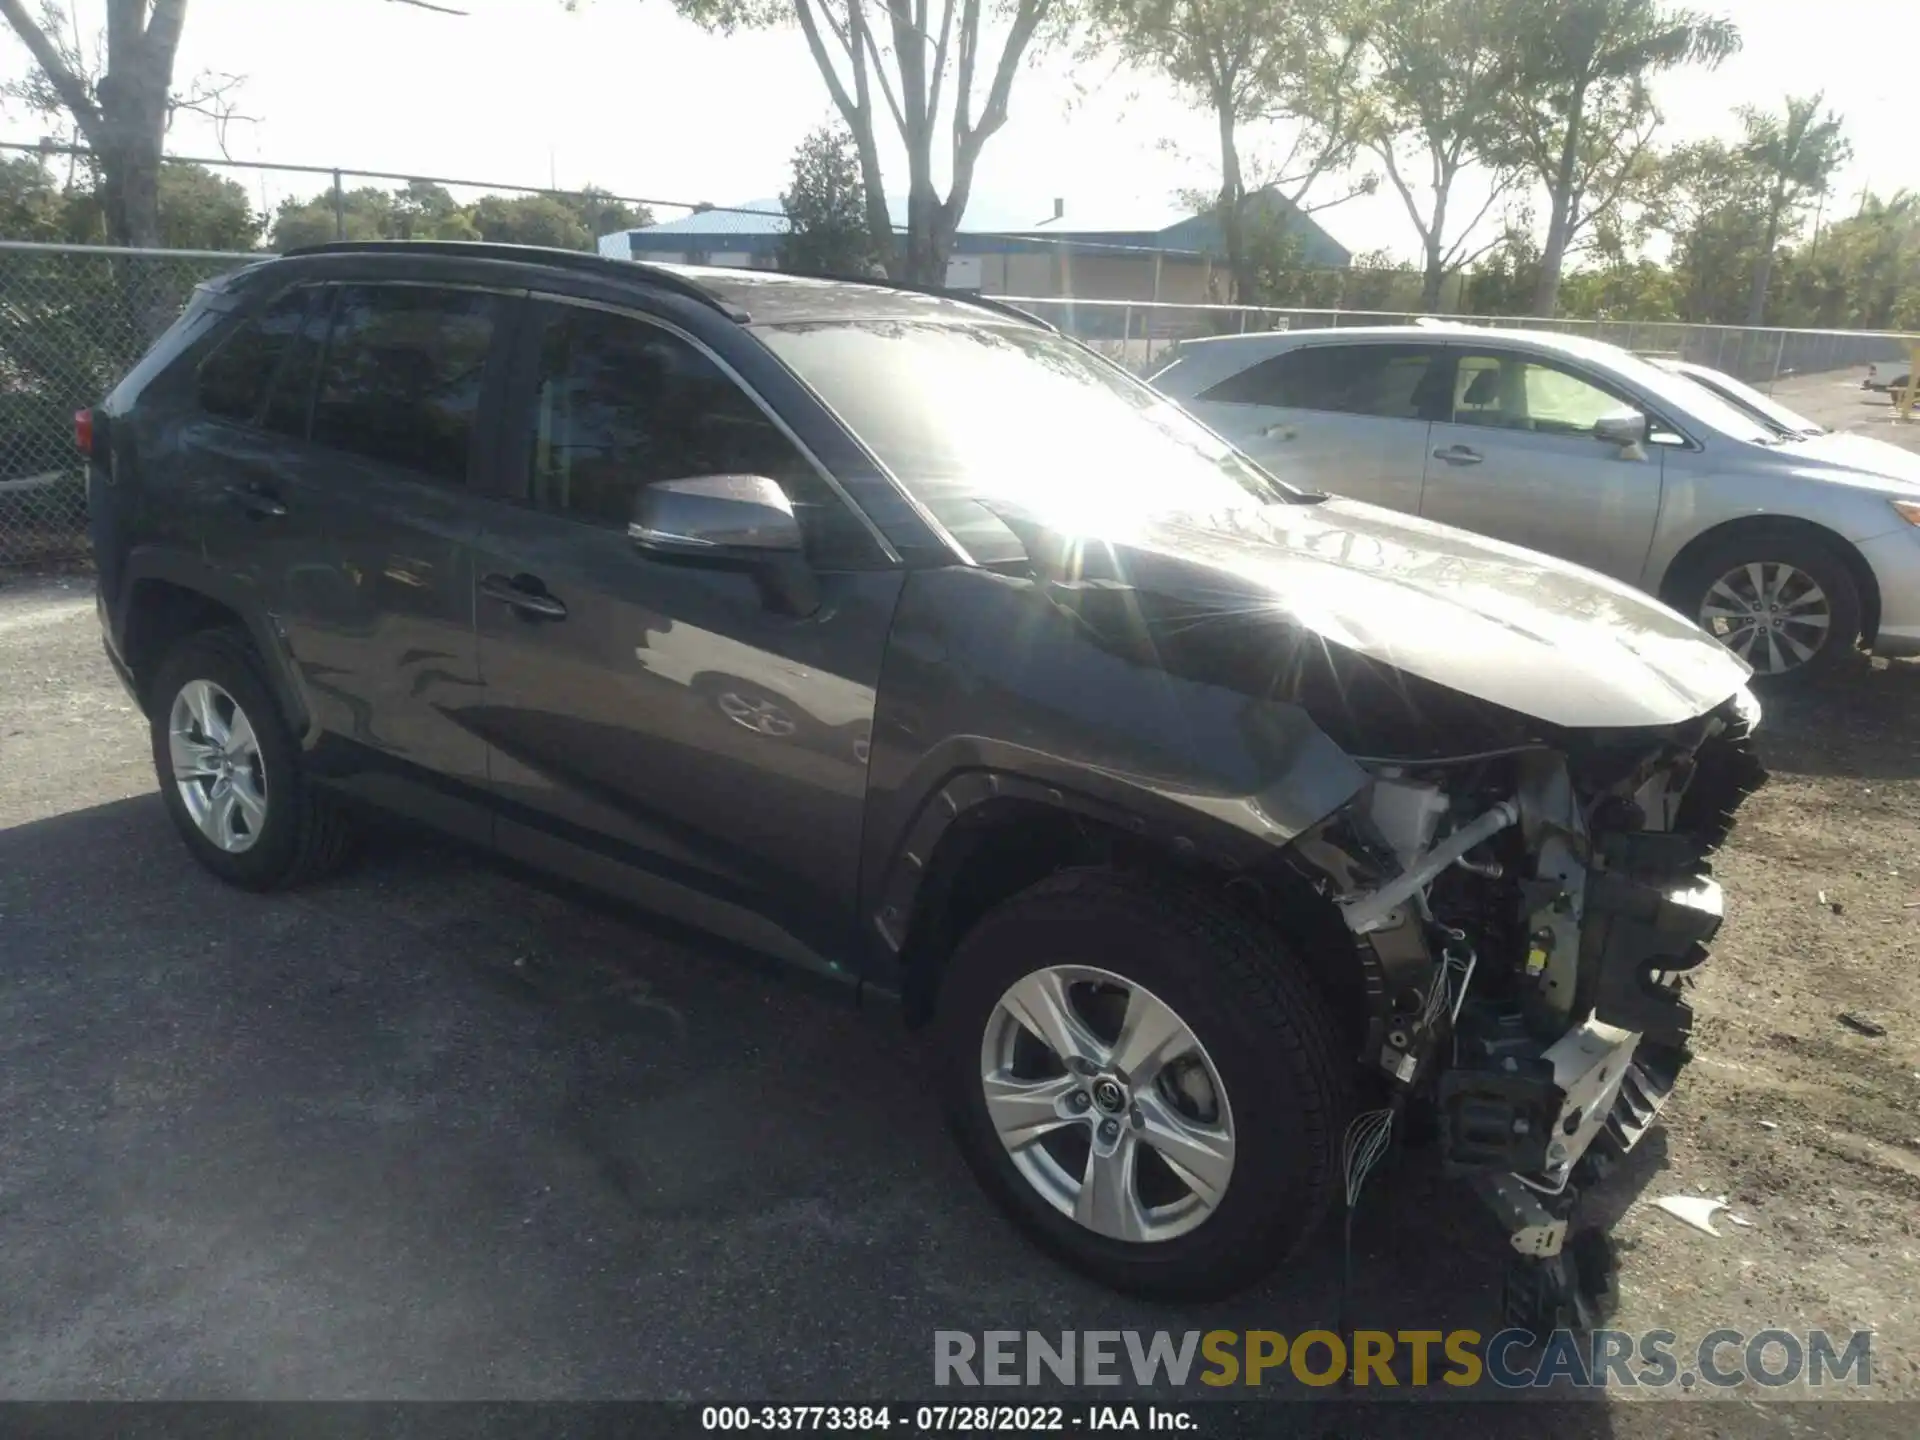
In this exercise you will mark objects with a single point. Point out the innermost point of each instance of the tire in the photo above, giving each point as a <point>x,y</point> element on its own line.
<point>293,833</point>
<point>1694,593</point>
<point>1265,1036</point>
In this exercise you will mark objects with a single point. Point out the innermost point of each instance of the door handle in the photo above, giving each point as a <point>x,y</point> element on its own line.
<point>255,502</point>
<point>1277,432</point>
<point>1458,455</point>
<point>518,594</point>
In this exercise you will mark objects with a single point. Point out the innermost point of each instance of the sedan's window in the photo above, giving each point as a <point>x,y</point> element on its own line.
<point>402,375</point>
<point>1515,392</point>
<point>621,404</point>
<point>1388,381</point>
<point>235,377</point>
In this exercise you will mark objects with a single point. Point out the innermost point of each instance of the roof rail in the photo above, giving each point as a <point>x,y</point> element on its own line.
<point>529,254</point>
<point>962,297</point>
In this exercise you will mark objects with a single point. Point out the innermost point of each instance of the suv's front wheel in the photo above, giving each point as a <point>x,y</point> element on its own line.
<point>230,771</point>
<point>1147,1081</point>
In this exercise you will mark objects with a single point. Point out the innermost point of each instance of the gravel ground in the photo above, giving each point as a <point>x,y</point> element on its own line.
<point>433,1131</point>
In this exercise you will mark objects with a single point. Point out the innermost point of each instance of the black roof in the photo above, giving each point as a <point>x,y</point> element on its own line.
<point>760,297</point>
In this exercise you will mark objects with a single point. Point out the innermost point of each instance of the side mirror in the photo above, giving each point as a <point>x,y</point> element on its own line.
<point>1625,428</point>
<point>734,522</point>
<point>715,517</point>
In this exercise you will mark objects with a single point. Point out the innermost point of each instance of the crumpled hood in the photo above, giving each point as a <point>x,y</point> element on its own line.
<point>1505,625</point>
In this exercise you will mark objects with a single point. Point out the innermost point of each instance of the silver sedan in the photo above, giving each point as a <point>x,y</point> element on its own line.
<point>1790,548</point>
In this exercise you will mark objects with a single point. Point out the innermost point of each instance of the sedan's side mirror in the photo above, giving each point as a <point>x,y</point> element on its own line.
<point>731,522</point>
<point>1626,429</point>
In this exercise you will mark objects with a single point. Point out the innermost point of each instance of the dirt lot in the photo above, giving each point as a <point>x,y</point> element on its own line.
<point>432,1131</point>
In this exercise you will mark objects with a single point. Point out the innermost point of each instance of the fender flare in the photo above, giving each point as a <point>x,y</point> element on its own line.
<point>1225,834</point>
<point>192,573</point>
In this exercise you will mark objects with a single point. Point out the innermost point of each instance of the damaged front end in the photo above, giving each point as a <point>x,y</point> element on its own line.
<point>1526,920</point>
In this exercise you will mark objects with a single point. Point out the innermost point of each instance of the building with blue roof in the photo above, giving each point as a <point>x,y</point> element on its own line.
<point>1141,253</point>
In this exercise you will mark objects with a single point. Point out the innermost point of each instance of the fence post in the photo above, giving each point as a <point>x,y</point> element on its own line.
<point>339,209</point>
<point>1126,338</point>
<point>1632,326</point>
<point>1779,353</point>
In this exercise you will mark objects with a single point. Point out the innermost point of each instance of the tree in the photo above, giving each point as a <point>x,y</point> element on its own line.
<point>423,210</point>
<point>1709,197</point>
<point>1798,156</point>
<point>1251,61</point>
<point>1579,115</point>
<point>31,206</point>
<point>123,113</point>
<point>1428,95</point>
<point>908,53</point>
<point>1863,273</point>
<point>604,215</point>
<point>826,208</point>
<point>365,213</point>
<point>530,220</point>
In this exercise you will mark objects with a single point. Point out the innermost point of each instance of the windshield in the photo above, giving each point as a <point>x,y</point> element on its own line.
<point>1760,405</point>
<point>1689,397</point>
<point>981,421</point>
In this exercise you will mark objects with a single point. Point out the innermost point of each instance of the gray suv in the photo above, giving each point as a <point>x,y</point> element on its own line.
<point>1208,826</point>
<point>1788,547</point>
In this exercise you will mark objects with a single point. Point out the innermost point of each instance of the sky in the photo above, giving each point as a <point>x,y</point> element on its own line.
<point>626,95</point>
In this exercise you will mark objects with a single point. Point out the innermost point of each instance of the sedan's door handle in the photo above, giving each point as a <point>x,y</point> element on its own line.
<point>1457,455</point>
<point>519,593</point>
<point>255,502</point>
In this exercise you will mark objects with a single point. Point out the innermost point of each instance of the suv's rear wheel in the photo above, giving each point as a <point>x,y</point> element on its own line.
<point>1147,1082</point>
<point>229,770</point>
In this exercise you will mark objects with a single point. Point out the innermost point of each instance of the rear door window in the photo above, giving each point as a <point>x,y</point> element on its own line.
<point>1396,382</point>
<point>402,374</point>
<point>234,379</point>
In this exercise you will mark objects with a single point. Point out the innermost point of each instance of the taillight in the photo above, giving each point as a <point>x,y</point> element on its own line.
<point>83,431</point>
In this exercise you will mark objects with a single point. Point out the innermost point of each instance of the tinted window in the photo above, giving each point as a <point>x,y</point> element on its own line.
<point>234,379</point>
<point>622,404</point>
<point>402,375</point>
<point>1516,392</point>
<point>1394,381</point>
<point>292,396</point>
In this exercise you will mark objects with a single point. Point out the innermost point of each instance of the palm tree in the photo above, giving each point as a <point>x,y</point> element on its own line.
<point>1798,157</point>
<point>1581,114</point>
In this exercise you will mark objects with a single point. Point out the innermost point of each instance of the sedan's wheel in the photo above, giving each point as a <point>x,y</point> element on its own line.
<point>1786,603</point>
<point>1145,1079</point>
<point>1107,1103</point>
<point>230,771</point>
<point>1771,614</point>
<point>217,765</point>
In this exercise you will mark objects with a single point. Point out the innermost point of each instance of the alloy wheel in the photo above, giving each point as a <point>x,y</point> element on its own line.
<point>1107,1103</point>
<point>217,765</point>
<point>1771,614</point>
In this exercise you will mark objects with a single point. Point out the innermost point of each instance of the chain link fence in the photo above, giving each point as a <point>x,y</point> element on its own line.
<point>1143,334</point>
<point>73,320</point>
